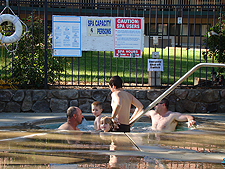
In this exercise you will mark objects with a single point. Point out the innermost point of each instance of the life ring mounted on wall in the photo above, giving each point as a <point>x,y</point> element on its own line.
<point>18,28</point>
<point>15,20</point>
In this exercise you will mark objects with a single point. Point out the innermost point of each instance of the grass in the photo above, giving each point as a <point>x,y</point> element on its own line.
<point>176,63</point>
<point>100,66</point>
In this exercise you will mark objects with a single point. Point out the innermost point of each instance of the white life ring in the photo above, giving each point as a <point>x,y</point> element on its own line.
<point>18,28</point>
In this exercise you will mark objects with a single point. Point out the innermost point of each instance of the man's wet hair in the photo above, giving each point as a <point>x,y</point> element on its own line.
<point>97,104</point>
<point>71,111</point>
<point>116,81</point>
<point>166,102</point>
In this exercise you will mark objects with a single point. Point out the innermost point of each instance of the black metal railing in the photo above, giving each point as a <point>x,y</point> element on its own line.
<point>181,30</point>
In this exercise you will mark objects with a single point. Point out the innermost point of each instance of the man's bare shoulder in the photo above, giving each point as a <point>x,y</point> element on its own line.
<point>65,126</point>
<point>116,93</point>
<point>121,92</point>
<point>174,113</point>
<point>150,113</point>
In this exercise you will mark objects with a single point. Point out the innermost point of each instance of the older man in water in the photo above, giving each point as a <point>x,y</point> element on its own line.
<point>164,120</point>
<point>74,117</point>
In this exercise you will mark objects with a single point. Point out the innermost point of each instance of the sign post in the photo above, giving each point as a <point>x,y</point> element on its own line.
<point>155,66</point>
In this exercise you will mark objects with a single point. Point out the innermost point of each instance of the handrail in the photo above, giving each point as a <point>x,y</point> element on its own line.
<point>174,86</point>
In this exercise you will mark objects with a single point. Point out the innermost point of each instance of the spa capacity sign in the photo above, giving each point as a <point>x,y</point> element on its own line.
<point>128,37</point>
<point>99,27</point>
<point>66,35</point>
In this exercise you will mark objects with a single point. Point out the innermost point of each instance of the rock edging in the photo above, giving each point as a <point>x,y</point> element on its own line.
<point>58,100</point>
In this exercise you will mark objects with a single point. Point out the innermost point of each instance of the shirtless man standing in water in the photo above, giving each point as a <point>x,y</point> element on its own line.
<point>164,120</point>
<point>121,104</point>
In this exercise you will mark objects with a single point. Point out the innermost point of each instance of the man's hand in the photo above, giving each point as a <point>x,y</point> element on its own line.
<point>116,122</point>
<point>191,122</point>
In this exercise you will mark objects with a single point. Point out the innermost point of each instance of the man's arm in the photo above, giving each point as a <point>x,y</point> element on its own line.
<point>149,113</point>
<point>185,117</point>
<point>139,107</point>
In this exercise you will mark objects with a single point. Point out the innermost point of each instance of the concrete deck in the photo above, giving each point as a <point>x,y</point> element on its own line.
<point>10,119</point>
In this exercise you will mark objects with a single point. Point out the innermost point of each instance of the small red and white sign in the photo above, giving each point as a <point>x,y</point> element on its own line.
<point>128,23</point>
<point>131,53</point>
<point>128,37</point>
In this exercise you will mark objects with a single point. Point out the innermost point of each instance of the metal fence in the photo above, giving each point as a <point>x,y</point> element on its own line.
<point>181,30</point>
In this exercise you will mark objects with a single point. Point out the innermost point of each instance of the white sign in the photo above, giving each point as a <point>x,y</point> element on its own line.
<point>99,27</point>
<point>128,37</point>
<point>96,34</point>
<point>66,32</point>
<point>91,41</point>
<point>179,20</point>
<point>155,65</point>
<point>155,40</point>
<point>155,54</point>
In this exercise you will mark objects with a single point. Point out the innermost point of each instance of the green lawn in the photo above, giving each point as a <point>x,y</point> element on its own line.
<point>100,66</point>
<point>134,70</point>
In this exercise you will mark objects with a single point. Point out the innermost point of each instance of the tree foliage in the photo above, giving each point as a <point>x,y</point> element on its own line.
<point>28,63</point>
<point>214,42</point>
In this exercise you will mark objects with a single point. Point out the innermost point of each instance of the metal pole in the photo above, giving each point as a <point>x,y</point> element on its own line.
<point>46,43</point>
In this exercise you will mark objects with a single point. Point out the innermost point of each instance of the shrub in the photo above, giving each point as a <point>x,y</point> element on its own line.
<point>214,42</point>
<point>28,63</point>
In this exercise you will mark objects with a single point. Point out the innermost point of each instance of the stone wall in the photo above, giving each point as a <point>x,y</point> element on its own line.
<point>58,100</point>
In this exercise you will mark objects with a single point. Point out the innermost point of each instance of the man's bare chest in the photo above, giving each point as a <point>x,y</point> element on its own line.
<point>159,123</point>
<point>162,123</point>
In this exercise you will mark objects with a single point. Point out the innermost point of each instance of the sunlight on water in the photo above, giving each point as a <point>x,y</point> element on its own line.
<point>137,127</point>
<point>89,126</point>
<point>86,125</point>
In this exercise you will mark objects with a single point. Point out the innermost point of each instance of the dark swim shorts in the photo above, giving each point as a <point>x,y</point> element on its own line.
<point>123,128</point>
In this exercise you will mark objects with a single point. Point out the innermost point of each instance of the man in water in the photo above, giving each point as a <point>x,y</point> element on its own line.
<point>164,120</point>
<point>121,104</point>
<point>74,117</point>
